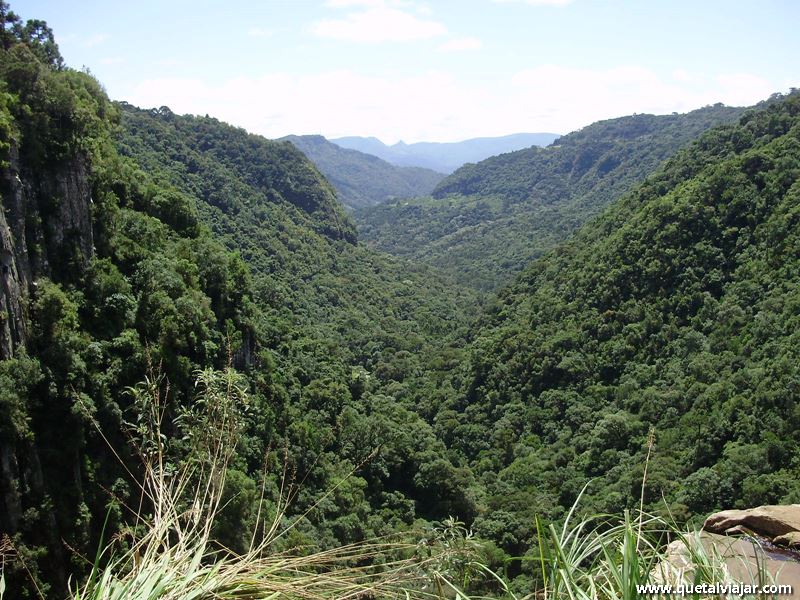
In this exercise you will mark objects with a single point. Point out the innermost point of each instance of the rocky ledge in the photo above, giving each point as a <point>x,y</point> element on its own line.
<point>753,546</point>
<point>778,524</point>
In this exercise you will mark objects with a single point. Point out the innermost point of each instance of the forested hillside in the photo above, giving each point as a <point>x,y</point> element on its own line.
<point>675,315</point>
<point>139,243</point>
<point>148,257</point>
<point>106,276</point>
<point>362,179</point>
<point>487,221</point>
<point>362,302</point>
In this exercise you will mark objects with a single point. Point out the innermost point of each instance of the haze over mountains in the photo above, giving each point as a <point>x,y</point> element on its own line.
<point>444,157</point>
<point>361,179</point>
<point>375,173</point>
<point>486,221</point>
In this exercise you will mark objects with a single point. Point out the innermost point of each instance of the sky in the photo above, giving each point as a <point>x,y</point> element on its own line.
<point>436,70</point>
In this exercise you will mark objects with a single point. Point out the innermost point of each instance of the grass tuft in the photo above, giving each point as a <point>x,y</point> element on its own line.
<point>175,558</point>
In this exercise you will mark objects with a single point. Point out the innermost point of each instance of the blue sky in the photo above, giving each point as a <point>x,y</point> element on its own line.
<point>437,70</point>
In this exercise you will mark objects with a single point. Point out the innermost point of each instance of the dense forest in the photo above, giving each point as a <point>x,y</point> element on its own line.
<point>362,179</point>
<point>486,221</point>
<point>145,250</point>
<point>674,315</point>
<point>141,242</point>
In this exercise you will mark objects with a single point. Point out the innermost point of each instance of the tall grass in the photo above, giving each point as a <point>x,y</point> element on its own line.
<point>175,556</point>
<point>171,554</point>
<point>599,558</point>
<point>603,557</point>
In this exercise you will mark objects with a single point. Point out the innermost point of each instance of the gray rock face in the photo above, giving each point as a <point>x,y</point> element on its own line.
<point>45,220</point>
<point>789,540</point>
<point>12,292</point>
<point>727,543</point>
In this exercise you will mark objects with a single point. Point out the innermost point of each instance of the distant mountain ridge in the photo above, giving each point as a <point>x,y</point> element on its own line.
<point>445,157</point>
<point>361,179</point>
<point>488,220</point>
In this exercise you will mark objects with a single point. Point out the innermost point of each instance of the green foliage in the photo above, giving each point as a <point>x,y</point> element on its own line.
<point>57,112</point>
<point>362,179</point>
<point>7,129</point>
<point>19,377</point>
<point>187,493</point>
<point>676,310</point>
<point>372,399</point>
<point>488,220</point>
<point>331,309</point>
<point>212,247</point>
<point>601,557</point>
<point>233,172</point>
<point>35,34</point>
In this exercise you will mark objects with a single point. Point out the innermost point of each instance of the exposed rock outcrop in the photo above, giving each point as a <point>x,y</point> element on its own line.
<point>739,560</point>
<point>14,264</point>
<point>45,229</point>
<point>45,221</point>
<point>789,540</point>
<point>776,523</point>
<point>752,546</point>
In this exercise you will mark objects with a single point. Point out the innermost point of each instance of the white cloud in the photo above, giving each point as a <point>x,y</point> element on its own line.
<point>377,21</point>
<point>260,32</point>
<point>170,62</point>
<point>743,88</point>
<point>682,75</point>
<point>437,106</point>
<point>460,44</point>
<point>564,95</point>
<point>95,40</point>
<point>112,60</point>
<point>350,3</point>
<point>537,2</point>
<point>376,3</point>
<point>279,103</point>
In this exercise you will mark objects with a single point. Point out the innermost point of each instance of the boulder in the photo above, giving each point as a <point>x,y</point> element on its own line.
<point>741,560</point>
<point>767,521</point>
<point>789,540</point>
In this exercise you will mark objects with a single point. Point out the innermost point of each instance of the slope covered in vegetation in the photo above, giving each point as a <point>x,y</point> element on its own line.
<point>365,305</point>
<point>105,275</point>
<point>487,221</point>
<point>140,243</point>
<point>362,179</point>
<point>673,315</point>
<point>156,264</point>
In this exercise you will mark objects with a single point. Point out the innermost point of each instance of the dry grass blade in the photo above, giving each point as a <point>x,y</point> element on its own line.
<point>176,559</point>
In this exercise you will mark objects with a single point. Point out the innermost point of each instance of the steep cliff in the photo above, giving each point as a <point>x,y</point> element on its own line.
<point>103,273</point>
<point>45,231</point>
<point>171,245</point>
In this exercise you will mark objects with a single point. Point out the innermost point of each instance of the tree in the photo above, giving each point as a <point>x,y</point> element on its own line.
<point>35,34</point>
